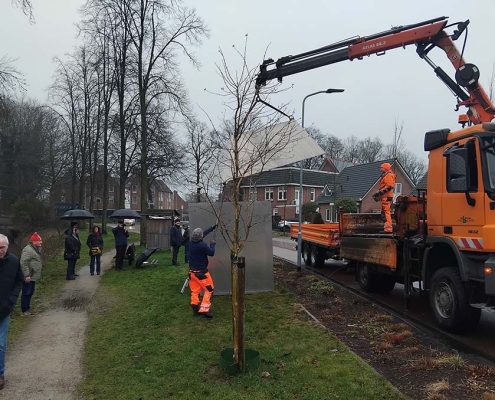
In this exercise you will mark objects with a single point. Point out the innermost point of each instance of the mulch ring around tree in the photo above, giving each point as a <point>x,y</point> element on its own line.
<point>421,368</point>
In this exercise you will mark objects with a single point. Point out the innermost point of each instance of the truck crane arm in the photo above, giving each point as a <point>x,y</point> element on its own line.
<point>426,35</point>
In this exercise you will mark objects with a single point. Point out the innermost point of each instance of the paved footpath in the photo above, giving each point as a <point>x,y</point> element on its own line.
<point>45,361</point>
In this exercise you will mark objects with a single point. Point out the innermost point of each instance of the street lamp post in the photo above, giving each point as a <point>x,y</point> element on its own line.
<point>299,234</point>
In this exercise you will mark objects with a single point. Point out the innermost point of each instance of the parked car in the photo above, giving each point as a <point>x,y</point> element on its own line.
<point>129,221</point>
<point>284,225</point>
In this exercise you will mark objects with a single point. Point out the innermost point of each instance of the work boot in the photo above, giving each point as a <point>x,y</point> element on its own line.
<point>195,309</point>
<point>2,382</point>
<point>206,314</point>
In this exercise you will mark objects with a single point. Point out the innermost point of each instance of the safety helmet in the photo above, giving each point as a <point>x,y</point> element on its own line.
<point>386,166</point>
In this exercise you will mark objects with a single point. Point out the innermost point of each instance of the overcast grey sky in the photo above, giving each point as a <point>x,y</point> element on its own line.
<point>378,89</point>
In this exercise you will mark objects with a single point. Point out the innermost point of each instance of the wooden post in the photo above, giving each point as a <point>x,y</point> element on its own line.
<point>238,292</point>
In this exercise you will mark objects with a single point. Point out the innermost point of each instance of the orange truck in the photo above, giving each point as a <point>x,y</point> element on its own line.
<point>319,242</point>
<point>444,238</point>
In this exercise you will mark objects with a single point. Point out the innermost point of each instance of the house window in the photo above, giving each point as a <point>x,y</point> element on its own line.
<point>134,199</point>
<point>160,197</point>
<point>282,193</point>
<point>313,194</point>
<point>134,189</point>
<point>111,188</point>
<point>275,211</point>
<point>398,189</point>
<point>269,193</point>
<point>329,216</point>
<point>152,190</point>
<point>98,200</point>
<point>110,199</point>
<point>297,198</point>
<point>253,194</point>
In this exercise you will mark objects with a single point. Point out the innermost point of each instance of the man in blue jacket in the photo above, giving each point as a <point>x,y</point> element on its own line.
<point>121,234</point>
<point>11,279</point>
<point>199,276</point>
<point>175,240</point>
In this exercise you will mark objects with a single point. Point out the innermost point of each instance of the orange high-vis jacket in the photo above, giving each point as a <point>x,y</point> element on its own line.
<point>387,182</point>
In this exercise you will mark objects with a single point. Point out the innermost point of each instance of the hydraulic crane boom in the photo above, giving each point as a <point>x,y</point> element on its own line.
<point>426,35</point>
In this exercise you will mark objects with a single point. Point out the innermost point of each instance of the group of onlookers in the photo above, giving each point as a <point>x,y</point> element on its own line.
<point>20,275</point>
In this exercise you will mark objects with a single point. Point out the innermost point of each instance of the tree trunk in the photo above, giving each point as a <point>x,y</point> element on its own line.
<point>238,291</point>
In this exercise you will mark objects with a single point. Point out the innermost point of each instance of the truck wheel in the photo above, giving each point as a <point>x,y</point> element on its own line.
<point>367,278</point>
<point>307,253</point>
<point>317,257</point>
<point>449,302</point>
<point>386,282</point>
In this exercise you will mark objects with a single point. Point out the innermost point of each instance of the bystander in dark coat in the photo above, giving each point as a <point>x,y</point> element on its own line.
<point>72,250</point>
<point>95,244</point>
<point>11,279</point>
<point>121,234</point>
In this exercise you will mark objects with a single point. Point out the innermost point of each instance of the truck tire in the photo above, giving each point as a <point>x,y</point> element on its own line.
<point>306,253</point>
<point>367,278</point>
<point>317,256</point>
<point>449,302</point>
<point>386,283</point>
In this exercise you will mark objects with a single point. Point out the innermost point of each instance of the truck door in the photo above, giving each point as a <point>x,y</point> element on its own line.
<point>463,209</point>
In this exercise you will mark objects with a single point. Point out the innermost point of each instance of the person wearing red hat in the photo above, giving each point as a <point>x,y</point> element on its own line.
<point>31,267</point>
<point>385,194</point>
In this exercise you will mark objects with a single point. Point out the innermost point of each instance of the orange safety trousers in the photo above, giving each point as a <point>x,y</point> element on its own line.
<point>201,281</point>
<point>386,204</point>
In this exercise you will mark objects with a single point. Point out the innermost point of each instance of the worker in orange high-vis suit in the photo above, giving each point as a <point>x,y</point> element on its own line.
<point>199,276</point>
<point>385,194</point>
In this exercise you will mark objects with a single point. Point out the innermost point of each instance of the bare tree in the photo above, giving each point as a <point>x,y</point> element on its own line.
<point>351,149</point>
<point>26,7</point>
<point>412,164</point>
<point>10,77</point>
<point>201,149</point>
<point>99,28</point>
<point>250,138</point>
<point>157,30</point>
<point>369,150</point>
<point>320,138</point>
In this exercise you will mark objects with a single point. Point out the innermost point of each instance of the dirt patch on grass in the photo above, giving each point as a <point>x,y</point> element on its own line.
<point>416,365</point>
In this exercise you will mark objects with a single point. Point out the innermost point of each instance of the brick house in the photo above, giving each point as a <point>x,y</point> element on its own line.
<point>162,196</point>
<point>359,183</point>
<point>281,187</point>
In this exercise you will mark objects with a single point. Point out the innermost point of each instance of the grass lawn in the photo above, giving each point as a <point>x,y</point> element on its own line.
<point>144,343</point>
<point>54,272</point>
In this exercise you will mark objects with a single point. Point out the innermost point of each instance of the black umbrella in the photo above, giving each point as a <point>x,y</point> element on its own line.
<point>125,213</point>
<point>145,255</point>
<point>76,215</point>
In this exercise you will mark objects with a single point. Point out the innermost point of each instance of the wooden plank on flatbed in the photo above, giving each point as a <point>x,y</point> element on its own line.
<point>376,250</point>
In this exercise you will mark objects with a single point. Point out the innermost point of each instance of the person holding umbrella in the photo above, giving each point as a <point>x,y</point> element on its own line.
<point>72,250</point>
<point>121,234</point>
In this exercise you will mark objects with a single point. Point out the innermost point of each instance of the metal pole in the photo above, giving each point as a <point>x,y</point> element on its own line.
<point>299,234</point>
